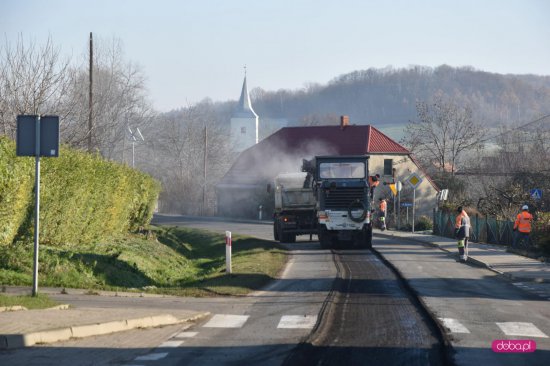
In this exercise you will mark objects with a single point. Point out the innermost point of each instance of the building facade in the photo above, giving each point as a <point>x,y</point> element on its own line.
<point>243,189</point>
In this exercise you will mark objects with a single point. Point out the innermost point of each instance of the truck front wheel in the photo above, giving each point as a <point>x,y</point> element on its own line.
<point>367,236</point>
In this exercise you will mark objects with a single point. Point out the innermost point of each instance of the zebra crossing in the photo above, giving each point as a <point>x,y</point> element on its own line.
<point>540,289</point>
<point>232,321</point>
<point>223,321</point>
<point>522,329</point>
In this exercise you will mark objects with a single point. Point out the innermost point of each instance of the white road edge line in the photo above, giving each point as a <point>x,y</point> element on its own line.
<point>454,325</point>
<point>297,322</point>
<point>521,329</point>
<point>226,321</point>
<point>152,357</point>
<point>171,344</point>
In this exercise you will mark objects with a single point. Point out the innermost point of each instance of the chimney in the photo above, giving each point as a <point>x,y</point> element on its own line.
<point>344,121</point>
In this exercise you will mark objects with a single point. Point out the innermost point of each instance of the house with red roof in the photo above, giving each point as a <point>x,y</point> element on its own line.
<point>243,189</point>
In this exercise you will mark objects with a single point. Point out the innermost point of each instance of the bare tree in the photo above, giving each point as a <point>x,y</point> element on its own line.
<point>176,157</point>
<point>442,133</point>
<point>33,80</point>
<point>120,101</point>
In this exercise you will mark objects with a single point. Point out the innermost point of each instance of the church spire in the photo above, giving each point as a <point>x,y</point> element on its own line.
<point>244,107</point>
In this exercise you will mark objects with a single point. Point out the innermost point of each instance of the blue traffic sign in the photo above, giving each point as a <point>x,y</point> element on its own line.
<point>536,193</point>
<point>406,204</point>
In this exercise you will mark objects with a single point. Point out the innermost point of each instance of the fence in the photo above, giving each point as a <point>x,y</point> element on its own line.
<point>484,229</point>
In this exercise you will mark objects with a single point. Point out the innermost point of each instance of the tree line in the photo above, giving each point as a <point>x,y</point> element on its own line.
<point>448,115</point>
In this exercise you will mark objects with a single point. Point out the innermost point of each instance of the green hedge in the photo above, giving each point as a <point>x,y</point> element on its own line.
<point>83,198</point>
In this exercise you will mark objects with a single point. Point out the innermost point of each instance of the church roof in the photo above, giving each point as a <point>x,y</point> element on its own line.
<point>244,107</point>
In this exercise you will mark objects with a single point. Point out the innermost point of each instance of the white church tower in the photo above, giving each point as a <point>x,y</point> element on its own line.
<point>244,122</point>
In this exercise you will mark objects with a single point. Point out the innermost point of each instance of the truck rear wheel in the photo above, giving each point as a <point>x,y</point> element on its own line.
<point>324,238</point>
<point>276,230</point>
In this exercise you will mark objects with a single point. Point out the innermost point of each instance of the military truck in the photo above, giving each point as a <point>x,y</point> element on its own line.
<point>294,208</point>
<point>343,207</point>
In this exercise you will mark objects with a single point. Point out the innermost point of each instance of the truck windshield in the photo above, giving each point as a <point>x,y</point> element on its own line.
<point>342,170</point>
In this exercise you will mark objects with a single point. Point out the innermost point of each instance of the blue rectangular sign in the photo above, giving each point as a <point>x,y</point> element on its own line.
<point>536,193</point>
<point>406,204</point>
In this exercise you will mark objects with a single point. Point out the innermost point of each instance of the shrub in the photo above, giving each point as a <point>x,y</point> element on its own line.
<point>83,197</point>
<point>424,223</point>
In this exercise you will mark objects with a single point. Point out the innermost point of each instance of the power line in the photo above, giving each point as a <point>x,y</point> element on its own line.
<point>516,128</point>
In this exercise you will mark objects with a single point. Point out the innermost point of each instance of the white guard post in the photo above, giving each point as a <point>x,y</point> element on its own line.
<point>228,252</point>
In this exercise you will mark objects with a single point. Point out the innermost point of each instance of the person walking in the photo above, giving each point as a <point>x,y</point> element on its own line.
<point>522,226</point>
<point>383,206</point>
<point>462,233</point>
<point>374,181</point>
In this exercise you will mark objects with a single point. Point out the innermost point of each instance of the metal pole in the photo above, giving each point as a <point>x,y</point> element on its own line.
<point>399,210</point>
<point>36,206</point>
<point>133,148</point>
<point>228,252</point>
<point>204,181</point>
<point>90,104</point>
<point>414,204</point>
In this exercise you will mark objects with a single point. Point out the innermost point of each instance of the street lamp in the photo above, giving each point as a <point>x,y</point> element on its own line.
<point>135,136</point>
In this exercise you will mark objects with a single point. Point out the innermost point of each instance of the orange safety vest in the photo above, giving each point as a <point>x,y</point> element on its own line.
<point>383,206</point>
<point>523,222</point>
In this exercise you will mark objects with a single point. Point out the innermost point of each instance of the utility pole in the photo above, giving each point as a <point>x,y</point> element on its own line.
<point>90,121</point>
<point>204,182</point>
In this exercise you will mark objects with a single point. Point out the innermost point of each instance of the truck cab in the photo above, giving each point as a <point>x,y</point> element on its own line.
<point>343,207</point>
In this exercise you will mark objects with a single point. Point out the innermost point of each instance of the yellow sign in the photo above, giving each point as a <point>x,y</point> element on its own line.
<point>393,189</point>
<point>414,180</point>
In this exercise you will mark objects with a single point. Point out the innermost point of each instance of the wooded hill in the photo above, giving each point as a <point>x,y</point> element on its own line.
<point>388,96</point>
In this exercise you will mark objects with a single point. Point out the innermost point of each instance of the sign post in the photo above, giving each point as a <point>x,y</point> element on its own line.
<point>37,136</point>
<point>398,187</point>
<point>228,252</point>
<point>414,180</point>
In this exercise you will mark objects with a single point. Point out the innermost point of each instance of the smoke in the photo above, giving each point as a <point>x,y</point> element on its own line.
<point>244,188</point>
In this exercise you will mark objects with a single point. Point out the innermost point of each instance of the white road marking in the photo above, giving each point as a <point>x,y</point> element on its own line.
<point>186,335</point>
<point>152,357</point>
<point>454,325</point>
<point>226,321</point>
<point>297,321</point>
<point>171,344</point>
<point>521,329</point>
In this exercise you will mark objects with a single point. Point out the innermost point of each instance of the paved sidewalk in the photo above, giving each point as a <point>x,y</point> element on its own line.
<point>493,257</point>
<point>26,328</point>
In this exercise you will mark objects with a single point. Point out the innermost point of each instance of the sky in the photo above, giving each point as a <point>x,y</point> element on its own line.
<point>189,50</point>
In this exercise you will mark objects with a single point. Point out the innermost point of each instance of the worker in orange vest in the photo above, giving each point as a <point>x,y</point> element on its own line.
<point>522,226</point>
<point>383,206</point>
<point>462,233</point>
<point>374,181</point>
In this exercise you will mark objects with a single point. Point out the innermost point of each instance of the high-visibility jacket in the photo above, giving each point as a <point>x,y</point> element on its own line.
<point>383,205</point>
<point>458,220</point>
<point>523,222</point>
<point>462,225</point>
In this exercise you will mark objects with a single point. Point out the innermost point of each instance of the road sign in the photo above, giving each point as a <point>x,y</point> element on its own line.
<point>26,136</point>
<point>37,136</point>
<point>536,193</point>
<point>393,189</point>
<point>414,180</point>
<point>406,204</point>
<point>398,186</point>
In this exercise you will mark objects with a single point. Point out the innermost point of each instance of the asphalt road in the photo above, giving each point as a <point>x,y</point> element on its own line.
<point>330,308</point>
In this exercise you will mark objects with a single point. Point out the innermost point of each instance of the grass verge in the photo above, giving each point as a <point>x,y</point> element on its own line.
<point>39,302</point>
<point>170,260</point>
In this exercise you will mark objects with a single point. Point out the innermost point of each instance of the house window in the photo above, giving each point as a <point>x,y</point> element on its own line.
<point>388,165</point>
<point>243,129</point>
